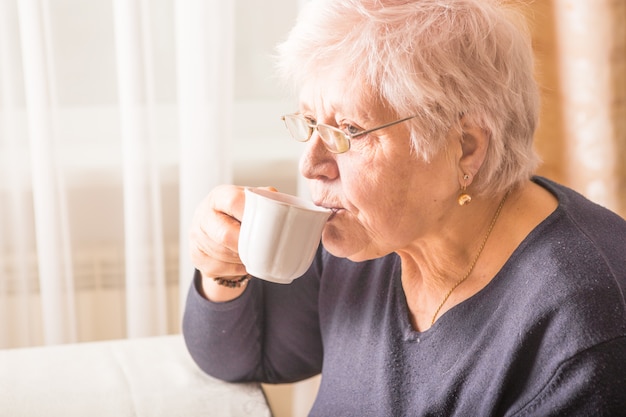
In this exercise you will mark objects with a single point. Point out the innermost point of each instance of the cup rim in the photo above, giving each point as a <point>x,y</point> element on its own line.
<point>287,199</point>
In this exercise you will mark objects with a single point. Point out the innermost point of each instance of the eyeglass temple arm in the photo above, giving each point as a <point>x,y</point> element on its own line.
<point>395,122</point>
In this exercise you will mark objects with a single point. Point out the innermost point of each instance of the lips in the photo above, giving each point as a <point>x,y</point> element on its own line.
<point>334,213</point>
<point>330,203</point>
<point>331,207</point>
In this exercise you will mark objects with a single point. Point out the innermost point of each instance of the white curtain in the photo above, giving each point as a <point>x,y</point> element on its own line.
<point>94,204</point>
<point>116,118</point>
<point>205,36</point>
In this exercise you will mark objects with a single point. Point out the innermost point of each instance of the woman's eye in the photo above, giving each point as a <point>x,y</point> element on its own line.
<point>351,130</point>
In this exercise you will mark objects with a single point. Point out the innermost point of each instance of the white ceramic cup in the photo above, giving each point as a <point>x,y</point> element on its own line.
<point>279,234</point>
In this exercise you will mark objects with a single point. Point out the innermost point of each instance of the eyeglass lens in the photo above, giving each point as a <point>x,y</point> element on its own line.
<point>298,128</point>
<point>301,130</point>
<point>335,140</point>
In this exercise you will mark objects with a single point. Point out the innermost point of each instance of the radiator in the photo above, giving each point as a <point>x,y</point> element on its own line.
<point>99,296</point>
<point>97,267</point>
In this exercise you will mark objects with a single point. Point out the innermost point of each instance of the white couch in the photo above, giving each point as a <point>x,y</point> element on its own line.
<point>149,377</point>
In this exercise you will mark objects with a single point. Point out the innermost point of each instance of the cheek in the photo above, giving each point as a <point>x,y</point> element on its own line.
<point>379,183</point>
<point>377,201</point>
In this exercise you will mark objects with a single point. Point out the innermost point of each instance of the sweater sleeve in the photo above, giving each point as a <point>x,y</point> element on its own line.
<point>223,338</point>
<point>592,383</point>
<point>268,334</point>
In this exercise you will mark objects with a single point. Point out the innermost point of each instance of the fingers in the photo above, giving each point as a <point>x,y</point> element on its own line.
<point>228,200</point>
<point>214,234</point>
<point>212,258</point>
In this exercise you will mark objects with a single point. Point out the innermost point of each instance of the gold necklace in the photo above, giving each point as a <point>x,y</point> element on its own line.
<point>471,268</point>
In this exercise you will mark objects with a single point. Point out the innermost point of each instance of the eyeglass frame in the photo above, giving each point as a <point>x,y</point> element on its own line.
<point>348,136</point>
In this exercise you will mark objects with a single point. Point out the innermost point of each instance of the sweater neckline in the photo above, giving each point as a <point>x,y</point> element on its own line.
<point>499,279</point>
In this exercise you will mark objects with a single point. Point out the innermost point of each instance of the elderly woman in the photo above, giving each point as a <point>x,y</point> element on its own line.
<point>449,281</point>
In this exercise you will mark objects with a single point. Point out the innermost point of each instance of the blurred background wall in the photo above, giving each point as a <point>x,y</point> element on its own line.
<point>580,49</point>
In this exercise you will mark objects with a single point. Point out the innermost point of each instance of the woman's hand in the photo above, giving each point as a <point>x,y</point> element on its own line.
<point>214,238</point>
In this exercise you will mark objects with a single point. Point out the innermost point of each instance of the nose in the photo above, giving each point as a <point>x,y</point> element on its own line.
<point>317,162</point>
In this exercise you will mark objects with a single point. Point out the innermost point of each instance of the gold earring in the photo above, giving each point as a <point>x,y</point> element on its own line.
<point>464,198</point>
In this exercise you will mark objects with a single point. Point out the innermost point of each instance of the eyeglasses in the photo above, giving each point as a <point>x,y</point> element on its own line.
<point>335,140</point>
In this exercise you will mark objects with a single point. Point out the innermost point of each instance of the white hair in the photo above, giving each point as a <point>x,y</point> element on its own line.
<point>439,59</point>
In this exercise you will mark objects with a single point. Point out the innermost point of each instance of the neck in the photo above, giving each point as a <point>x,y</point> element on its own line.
<point>440,271</point>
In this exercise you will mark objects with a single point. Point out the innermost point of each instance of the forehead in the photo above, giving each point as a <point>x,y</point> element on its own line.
<point>338,93</point>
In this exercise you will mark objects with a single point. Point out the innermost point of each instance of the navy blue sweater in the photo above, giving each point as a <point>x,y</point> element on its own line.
<point>546,337</point>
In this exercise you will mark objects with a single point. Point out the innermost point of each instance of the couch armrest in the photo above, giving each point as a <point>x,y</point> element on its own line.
<point>147,377</point>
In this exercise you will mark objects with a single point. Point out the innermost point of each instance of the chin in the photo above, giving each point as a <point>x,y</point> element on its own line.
<point>342,245</point>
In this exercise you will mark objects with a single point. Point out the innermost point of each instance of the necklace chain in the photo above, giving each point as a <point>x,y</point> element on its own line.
<point>471,267</point>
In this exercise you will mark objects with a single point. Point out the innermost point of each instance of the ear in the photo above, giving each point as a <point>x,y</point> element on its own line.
<point>474,144</point>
